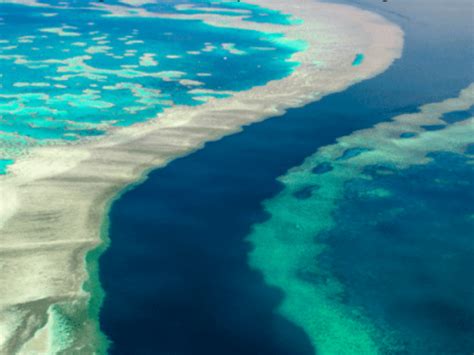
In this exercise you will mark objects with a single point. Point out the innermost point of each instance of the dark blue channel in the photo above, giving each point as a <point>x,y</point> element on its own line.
<point>176,276</point>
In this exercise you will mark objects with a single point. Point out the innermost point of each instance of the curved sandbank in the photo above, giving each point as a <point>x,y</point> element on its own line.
<point>54,199</point>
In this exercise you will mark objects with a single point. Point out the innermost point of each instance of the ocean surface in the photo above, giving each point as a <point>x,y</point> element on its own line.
<point>69,72</point>
<point>226,251</point>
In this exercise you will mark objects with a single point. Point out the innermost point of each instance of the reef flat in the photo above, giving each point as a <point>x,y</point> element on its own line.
<point>291,246</point>
<point>54,198</point>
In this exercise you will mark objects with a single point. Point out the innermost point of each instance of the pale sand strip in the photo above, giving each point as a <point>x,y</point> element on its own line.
<point>56,197</point>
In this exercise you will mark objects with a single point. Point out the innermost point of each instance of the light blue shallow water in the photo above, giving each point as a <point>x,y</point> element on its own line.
<point>358,60</point>
<point>73,73</point>
<point>4,163</point>
<point>249,12</point>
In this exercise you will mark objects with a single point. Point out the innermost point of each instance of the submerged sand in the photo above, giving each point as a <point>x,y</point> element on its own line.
<point>54,201</point>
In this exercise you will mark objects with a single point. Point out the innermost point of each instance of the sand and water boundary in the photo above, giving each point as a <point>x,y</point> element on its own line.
<point>55,199</point>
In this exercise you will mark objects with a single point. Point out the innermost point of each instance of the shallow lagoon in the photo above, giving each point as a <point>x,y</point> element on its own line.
<point>73,73</point>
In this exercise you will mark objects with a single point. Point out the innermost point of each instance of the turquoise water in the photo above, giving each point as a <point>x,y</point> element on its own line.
<point>4,163</point>
<point>358,60</point>
<point>417,252</point>
<point>73,73</point>
<point>354,203</point>
<point>248,12</point>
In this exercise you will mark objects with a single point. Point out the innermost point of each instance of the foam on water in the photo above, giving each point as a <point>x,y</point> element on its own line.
<point>289,247</point>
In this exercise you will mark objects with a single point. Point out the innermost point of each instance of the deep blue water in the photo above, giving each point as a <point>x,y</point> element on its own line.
<point>176,275</point>
<point>420,237</point>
